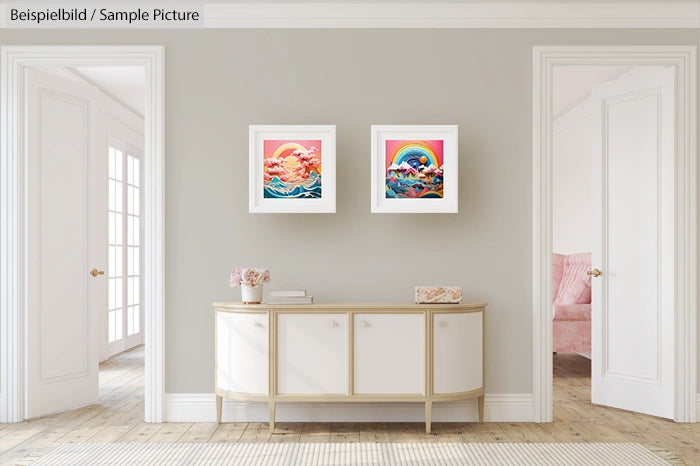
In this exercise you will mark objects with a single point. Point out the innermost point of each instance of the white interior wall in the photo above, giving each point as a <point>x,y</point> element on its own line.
<point>571,188</point>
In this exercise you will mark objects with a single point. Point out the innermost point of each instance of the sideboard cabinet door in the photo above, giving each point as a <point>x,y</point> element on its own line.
<point>457,352</point>
<point>242,352</point>
<point>389,354</point>
<point>312,354</point>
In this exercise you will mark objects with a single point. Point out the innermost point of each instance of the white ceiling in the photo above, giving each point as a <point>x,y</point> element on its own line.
<point>573,83</point>
<point>124,83</point>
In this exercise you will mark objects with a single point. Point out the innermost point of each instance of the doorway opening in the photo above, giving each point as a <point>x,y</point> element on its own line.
<point>95,115</point>
<point>640,166</point>
<point>85,142</point>
<point>573,152</point>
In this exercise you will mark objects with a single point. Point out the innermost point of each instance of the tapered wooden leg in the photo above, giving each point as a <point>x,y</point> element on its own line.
<point>481,408</point>
<point>428,415</point>
<point>218,409</point>
<point>271,405</point>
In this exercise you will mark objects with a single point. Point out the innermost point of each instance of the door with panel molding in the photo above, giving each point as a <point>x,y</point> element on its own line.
<point>389,354</point>
<point>633,242</point>
<point>66,182</point>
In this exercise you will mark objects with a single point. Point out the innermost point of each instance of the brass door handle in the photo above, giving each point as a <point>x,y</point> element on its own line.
<point>595,272</point>
<point>95,272</point>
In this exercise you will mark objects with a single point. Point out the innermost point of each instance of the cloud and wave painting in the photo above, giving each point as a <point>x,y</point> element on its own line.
<point>414,169</point>
<point>292,169</point>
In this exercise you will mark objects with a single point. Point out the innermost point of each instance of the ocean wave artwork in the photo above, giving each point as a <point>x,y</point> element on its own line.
<point>292,169</point>
<point>414,169</point>
<point>309,188</point>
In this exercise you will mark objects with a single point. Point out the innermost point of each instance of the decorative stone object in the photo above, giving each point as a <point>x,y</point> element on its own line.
<point>439,294</point>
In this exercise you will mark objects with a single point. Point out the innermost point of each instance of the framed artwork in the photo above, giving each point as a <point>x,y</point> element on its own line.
<point>414,169</point>
<point>292,168</point>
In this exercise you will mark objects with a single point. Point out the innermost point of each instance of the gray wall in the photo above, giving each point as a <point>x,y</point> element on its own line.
<point>220,81</point>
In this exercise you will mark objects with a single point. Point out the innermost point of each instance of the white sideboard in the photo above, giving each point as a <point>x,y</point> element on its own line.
<point>349,352</point>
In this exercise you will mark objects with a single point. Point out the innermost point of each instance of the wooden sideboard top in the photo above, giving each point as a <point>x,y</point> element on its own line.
<point>224,306</point>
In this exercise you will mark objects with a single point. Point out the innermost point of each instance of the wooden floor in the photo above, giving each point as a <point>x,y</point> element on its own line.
<point>119,418</point>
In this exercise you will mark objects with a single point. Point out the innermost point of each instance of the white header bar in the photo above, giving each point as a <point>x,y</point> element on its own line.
<point>358,14</point>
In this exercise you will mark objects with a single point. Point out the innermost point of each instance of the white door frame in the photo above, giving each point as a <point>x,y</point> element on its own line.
<point>13,235</point>
<point>683,58</point>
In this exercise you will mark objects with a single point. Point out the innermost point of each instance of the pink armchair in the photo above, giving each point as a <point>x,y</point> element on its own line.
<point>571,295</point>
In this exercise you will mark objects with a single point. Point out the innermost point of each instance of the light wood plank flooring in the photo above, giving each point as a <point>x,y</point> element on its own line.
<point>119,418</point>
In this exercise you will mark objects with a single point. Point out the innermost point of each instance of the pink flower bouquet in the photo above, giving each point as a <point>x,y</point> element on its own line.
<point>249,277</point>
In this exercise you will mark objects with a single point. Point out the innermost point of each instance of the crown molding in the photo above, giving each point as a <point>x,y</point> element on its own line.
<point>461,14</point>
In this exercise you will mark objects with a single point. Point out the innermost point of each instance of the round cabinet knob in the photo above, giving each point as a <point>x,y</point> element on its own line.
<point>365,323</point>
<point>443,323</point>
<point>334,324</point>
<point>256,324</point>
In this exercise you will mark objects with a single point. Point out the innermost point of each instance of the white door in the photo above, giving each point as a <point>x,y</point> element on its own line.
<point>389,354</point>
<point>66,229</point>
<point>633,244</point>
<point>312,354</point>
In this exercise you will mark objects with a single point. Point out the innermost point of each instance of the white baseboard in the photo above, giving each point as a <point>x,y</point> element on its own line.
<point>201,407</point>
<point>697,408</point>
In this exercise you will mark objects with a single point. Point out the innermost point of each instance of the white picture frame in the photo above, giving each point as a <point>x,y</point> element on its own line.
<point>408,142</point>
<point>291,192</point>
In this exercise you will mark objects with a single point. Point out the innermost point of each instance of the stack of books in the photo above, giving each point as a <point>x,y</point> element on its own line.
<point>288,297</point>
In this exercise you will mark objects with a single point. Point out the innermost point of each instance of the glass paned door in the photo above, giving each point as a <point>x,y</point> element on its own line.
<point>125,223</point>
<point>133,222</point>
<point>116,244</point>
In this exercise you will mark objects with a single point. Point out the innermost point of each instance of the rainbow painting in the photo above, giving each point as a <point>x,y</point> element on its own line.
<point>414,169</point>
<point>292,169</point>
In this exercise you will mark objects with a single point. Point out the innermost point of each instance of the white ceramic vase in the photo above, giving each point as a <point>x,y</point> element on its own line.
<point>251,294</point>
